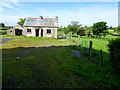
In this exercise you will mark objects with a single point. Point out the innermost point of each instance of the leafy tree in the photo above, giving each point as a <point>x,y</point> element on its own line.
<point>114,48</point>
<point>81,32</point>
<point>117,29</point>
<point>74,27</point>
<point>99,28</point>
<point>89,31</point>
<point>2,25</point>
<point>110,27</point>
<point>21,21</point>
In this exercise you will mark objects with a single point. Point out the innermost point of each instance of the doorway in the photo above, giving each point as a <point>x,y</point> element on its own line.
<point>18,32</point>
<point>37,32</point>
<point>41,32</point>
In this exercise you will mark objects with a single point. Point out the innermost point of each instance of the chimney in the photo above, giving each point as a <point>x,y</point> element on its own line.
<point>56,17</point>
<point>41,17</point>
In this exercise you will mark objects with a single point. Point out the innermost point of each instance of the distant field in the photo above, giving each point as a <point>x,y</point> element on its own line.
<point>35,62</point>
<point>5,28</point>
<point>110,30</point>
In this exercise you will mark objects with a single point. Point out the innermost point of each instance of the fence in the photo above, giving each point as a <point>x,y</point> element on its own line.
<point>88,47</point>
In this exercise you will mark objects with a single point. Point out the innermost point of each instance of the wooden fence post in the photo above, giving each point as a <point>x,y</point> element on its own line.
<point>90,48</point>
<point>101,58</point>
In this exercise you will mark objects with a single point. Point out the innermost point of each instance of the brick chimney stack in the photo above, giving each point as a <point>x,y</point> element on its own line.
<point>41,17</point>
<point>57,17</point>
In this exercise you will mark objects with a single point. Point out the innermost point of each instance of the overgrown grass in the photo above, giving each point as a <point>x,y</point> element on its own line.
<point>51,66</point>
<point>98,44</point>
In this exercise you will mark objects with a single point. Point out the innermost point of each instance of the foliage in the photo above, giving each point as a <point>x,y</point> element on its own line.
<point>2,32</point>
<point>74,27</point>
<point>117,29</point>
<point>99,28</point>
<point>114,48</point>
<point>89,31</point>
<point>104,33</point>
<point>81,32</point>
<point>21,21</point>
<point>2,25</point>
<point>110,27</point>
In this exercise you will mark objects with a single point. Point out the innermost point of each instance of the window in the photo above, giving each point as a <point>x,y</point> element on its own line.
<point>29,30</point>
<point>48,30</point>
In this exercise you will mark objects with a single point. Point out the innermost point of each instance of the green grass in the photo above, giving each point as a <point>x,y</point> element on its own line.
<point>110,30</point>
<point>3,32</point>
<point>5,28</point>
<point>52,65</point>
<point>98,44</point>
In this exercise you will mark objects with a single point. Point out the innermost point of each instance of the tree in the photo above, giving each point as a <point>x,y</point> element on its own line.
<point>89,31</point>
<point>21,21</point>
<point>114,48</point>
<point>117,29</point>
<point>99,28</point>
<point>2,25</point>
<point>81,32</point>
<point>74,27</point>
<point>110,27</point>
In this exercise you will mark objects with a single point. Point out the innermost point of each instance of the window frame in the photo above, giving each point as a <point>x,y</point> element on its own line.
<point>28,30</point>
<point>49,31</point>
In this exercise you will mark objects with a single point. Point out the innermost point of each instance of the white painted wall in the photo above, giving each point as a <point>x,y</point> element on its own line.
<point>53,32</point>
<point>45,34</point>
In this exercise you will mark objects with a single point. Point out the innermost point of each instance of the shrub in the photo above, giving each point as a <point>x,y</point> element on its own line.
<point>114,48</point>
<point>2,32</point>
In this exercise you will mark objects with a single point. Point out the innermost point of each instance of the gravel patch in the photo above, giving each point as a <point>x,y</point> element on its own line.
<point>5,40</point>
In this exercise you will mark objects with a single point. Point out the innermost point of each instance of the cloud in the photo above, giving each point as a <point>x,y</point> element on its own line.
<point>16,2</point>
<point>85,16</point>
<point>64,0</point>
<point>1,9</point>
<point>10,19</point>
<point>6,5</point>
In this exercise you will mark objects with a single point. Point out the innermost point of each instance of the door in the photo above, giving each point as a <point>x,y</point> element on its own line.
<point>18,32</point>
<point>37,32</point>
<point>41,32</point>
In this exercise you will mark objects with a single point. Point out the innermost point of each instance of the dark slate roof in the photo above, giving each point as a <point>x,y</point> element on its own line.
<point>41,22</point>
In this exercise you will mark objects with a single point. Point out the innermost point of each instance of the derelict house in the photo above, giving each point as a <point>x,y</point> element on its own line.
<point>37,27</point>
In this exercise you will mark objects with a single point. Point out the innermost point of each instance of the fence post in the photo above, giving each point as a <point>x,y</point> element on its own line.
<point>90,48</point>
<point>101,58</point>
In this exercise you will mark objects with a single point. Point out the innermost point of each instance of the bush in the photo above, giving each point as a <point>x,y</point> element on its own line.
<point>114,48</point>
<point>2,32</point>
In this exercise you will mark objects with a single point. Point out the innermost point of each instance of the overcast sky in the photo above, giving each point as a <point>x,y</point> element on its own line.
<point>86,13</point>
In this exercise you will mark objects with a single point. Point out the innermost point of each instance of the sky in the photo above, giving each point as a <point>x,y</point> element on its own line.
<point>86,13</point>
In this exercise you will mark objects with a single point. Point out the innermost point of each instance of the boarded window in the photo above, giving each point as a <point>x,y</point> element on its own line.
<point>48,30</point>
<point>29,30</point>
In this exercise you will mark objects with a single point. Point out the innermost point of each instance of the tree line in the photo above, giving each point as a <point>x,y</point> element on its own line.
<point>97,30</point>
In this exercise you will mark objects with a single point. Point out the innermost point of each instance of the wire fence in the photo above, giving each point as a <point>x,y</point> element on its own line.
<point>96,49</point>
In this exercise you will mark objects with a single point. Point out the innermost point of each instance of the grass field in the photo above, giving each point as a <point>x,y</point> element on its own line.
<point>34,62</point>
<point>98,44</point>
